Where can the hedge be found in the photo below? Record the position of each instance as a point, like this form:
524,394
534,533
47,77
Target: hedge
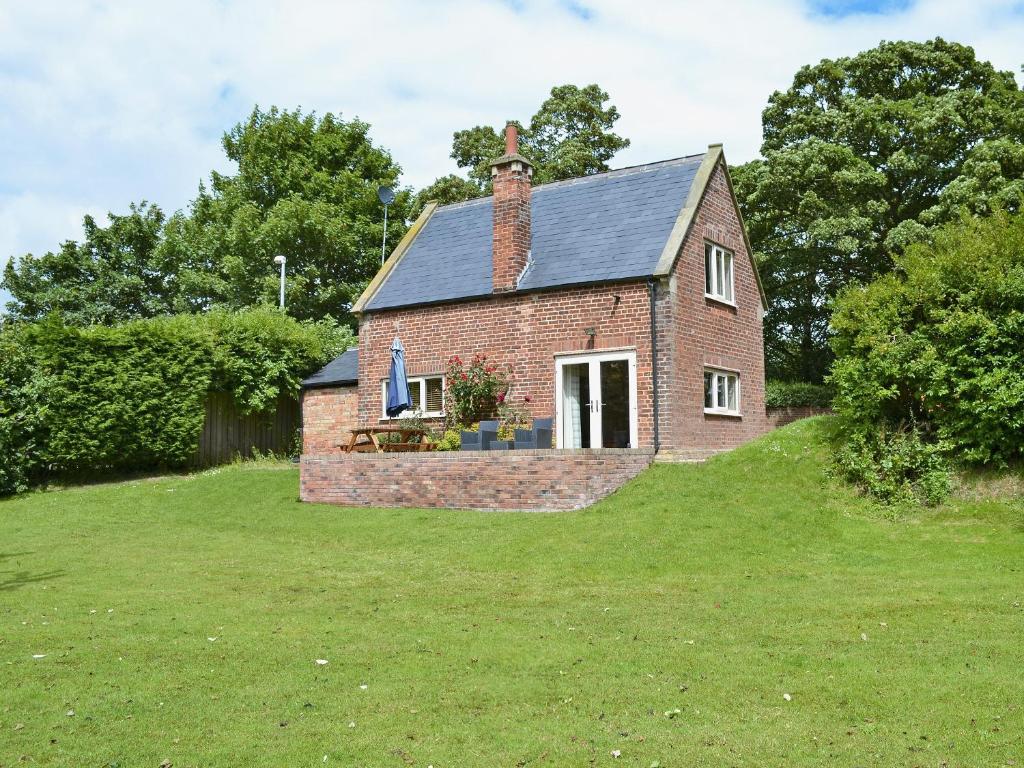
797,394
935,351
131,397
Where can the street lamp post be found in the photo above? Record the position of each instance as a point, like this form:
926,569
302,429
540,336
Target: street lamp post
280,260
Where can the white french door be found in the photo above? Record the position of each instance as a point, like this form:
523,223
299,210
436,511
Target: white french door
595,400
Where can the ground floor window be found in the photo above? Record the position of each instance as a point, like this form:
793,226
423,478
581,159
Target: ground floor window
427,394
721,392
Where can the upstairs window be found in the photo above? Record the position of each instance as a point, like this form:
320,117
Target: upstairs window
721,392
718,273
427,394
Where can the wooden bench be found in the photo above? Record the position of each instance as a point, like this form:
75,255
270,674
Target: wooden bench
367,439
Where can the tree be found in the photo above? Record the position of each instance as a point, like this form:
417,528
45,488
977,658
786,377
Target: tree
445,190
861,157
116,273
569,136
306,187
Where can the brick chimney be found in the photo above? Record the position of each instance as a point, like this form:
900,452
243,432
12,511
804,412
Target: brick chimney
510,176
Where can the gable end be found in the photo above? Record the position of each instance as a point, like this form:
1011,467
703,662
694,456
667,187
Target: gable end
684,223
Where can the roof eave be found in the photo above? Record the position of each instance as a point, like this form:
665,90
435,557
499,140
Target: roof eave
329,384
639,278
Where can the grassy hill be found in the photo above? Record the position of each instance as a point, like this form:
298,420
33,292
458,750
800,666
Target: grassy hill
746,612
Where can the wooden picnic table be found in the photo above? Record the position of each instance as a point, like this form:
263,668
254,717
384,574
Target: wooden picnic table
367,439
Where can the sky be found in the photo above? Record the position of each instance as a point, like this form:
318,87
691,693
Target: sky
106,103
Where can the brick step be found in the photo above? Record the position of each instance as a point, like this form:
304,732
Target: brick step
686,455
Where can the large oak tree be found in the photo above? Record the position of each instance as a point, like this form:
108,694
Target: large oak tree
862,156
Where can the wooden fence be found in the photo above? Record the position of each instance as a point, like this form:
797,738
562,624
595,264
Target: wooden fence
228,433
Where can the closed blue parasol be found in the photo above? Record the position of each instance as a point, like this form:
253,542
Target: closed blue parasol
399,398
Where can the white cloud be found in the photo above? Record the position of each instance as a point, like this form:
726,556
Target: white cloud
102,104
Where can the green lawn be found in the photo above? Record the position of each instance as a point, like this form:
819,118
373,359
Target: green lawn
740,613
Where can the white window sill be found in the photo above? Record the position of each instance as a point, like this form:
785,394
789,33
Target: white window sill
403,416
720,300
721,412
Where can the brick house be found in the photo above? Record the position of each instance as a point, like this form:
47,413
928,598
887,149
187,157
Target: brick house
626,303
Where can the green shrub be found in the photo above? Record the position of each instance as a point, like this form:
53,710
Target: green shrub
896,466
797,394
939,344
123,398
22,415
261,353
93,399
451,440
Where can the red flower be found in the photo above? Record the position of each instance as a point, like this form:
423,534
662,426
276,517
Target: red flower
527,399
463,377
501,397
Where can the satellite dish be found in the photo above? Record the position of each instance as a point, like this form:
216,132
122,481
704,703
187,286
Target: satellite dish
386,195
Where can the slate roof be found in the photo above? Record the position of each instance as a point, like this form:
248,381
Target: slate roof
341,371
607,227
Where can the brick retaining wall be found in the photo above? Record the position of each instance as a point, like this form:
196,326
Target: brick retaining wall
780,417
521,480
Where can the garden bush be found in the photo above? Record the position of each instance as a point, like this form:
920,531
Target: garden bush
797,394
473,391
449,440
131,397
896,465
937,345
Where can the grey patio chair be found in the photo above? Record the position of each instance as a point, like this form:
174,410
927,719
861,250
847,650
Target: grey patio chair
538,436
481,439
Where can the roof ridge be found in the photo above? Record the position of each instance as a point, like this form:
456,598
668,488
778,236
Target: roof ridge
640,168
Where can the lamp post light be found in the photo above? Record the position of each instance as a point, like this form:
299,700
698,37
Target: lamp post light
280,260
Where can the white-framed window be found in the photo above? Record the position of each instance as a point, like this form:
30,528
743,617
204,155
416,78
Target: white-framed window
721,392
427,393
718,279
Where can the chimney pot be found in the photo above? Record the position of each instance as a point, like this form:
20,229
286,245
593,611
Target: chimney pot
511,138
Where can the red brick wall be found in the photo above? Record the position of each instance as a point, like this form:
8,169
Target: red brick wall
780,417
525,331
521,480
695,332
327,415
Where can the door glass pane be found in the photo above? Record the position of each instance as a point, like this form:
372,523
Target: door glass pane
615,404
576,405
